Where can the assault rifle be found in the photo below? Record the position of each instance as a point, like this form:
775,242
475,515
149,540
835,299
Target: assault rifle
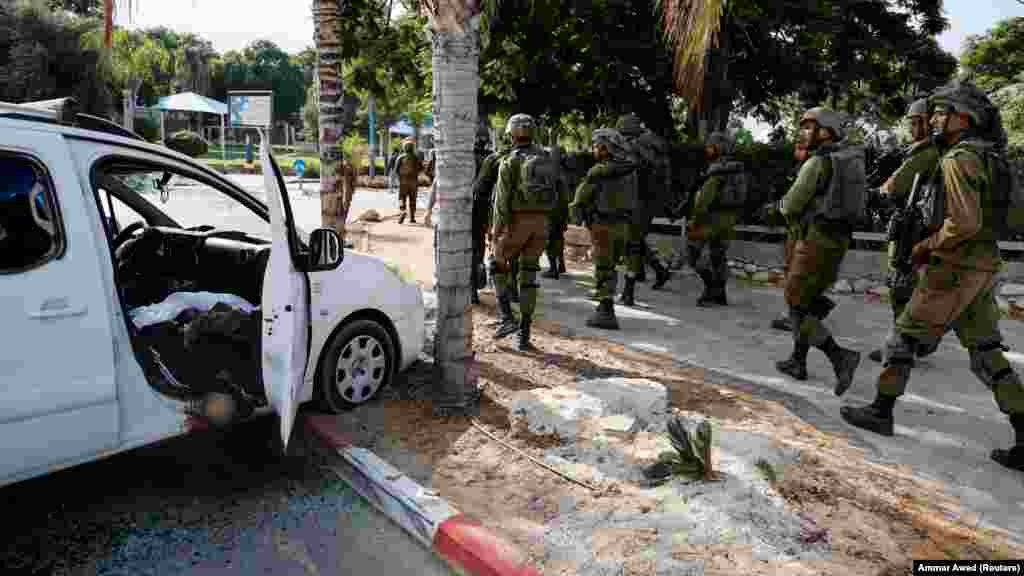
906,228
883,166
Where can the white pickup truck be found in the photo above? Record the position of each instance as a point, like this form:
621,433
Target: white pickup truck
93,263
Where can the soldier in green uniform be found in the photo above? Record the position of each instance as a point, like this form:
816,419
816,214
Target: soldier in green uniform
821,244
962,259
641,144
604,202
558,222
823,305
483,201
713,217
922,158
526,193
407,167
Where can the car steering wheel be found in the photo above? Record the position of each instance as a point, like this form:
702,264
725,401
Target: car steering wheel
127,233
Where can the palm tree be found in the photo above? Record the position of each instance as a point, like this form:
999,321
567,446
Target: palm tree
327,77
455,31
692,28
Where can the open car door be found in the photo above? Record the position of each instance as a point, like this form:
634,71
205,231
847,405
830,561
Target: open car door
285,303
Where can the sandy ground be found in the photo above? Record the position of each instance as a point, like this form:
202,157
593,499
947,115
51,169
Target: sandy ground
813,506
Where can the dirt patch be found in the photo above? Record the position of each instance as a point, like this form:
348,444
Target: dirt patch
830,510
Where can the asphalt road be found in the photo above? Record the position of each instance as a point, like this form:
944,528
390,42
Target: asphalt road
205,504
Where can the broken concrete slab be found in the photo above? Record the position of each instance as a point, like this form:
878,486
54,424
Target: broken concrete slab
643,399
558,410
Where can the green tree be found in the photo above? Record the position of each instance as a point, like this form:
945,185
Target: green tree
42,57
996,57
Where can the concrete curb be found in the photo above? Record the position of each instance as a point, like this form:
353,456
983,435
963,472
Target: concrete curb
464,543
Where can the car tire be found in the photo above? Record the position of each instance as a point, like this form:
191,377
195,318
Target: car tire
358,361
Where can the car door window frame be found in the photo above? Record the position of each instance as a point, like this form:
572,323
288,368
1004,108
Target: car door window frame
59,235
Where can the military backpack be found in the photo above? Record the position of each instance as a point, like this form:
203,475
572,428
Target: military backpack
1007,192
732,195
845,197
536,178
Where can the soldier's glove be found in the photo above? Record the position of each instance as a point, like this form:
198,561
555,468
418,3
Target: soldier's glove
919,254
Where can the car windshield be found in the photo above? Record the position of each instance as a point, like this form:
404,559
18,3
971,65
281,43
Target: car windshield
193,203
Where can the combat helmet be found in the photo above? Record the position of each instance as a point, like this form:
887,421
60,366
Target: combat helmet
629,125
724,141
918,107
613,140
964,97
521,125
826,118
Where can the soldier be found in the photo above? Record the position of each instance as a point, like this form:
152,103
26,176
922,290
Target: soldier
922,158
824,305
407,167
558,222
813,209
640,142
713,217
962,258
604,201
526,193
483,207
481,151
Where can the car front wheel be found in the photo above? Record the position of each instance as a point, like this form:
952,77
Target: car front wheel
357,363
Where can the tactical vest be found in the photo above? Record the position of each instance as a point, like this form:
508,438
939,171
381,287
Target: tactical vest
407,165
616,189
535,179
651,154
732,194
845,197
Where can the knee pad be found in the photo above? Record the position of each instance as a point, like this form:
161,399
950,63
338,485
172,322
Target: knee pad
989,363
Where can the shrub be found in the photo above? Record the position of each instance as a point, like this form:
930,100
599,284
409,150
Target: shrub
187,143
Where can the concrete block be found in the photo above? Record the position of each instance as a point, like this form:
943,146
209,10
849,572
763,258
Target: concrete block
556,410
643,399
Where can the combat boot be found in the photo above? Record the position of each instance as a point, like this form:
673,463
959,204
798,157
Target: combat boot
785,324
719,295
524,334
876,417
661,274
1014,457
706,299
627,292
506,320
796,365
401,217
604,316
844,362
822,307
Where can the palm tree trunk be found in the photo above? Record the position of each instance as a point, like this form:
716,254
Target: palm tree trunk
332,209
456,80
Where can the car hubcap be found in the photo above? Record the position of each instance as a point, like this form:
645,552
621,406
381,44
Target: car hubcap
362,365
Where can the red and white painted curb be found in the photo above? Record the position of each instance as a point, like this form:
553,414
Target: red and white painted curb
462,542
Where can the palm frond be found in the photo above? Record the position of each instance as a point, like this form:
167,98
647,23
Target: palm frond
692,28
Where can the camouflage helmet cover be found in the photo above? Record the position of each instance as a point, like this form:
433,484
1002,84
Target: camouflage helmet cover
725,142
524,121
918,107
629,125
826,118
613,140
963,97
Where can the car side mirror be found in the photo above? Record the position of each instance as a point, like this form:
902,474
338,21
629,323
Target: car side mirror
326,251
